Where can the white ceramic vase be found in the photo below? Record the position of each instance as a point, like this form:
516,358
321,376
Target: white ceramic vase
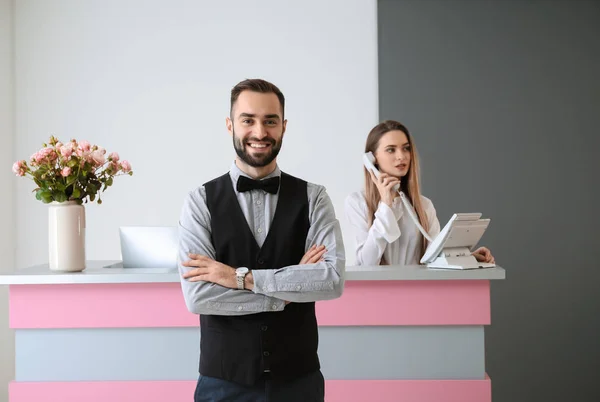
66,236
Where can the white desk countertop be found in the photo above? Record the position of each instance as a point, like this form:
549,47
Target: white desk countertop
98,272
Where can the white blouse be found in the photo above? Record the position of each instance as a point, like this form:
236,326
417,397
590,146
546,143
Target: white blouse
393,233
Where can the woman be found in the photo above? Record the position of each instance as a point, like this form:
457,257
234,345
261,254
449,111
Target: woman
384,232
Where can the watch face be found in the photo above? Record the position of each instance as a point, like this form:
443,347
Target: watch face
241,271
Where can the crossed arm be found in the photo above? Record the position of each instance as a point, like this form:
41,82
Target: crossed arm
209,287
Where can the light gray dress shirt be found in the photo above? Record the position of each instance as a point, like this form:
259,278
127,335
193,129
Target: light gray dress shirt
272,287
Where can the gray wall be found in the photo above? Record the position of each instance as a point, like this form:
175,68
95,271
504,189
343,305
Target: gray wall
503,99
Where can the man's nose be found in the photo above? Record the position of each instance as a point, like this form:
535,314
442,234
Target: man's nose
260,132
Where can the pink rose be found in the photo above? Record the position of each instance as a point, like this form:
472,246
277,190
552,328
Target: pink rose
97,158
45,155
66,171
39,157
66,150
19,168
84,145
113,156
125,166
58,145
86,157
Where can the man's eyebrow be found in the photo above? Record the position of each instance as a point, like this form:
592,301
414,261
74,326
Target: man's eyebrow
268,116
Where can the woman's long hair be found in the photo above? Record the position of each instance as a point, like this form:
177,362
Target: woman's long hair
410,183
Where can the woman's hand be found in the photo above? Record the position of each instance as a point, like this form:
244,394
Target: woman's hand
483,254
385,184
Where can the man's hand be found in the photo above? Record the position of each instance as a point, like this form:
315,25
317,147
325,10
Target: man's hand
208,270
483,254
313,255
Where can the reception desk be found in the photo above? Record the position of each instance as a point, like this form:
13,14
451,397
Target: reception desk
408,334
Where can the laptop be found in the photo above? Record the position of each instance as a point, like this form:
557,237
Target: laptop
148,246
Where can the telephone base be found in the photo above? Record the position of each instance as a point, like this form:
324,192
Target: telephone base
457,258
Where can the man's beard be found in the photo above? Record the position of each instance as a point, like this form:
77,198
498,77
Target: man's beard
260,160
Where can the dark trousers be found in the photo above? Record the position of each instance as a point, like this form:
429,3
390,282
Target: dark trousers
310,388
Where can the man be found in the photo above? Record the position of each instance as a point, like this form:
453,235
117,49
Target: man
257,248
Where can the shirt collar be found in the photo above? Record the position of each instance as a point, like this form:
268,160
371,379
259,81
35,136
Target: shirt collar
235,172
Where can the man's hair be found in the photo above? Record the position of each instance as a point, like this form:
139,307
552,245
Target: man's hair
256,85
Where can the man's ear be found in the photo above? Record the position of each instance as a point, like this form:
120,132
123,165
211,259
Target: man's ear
229,125
284,127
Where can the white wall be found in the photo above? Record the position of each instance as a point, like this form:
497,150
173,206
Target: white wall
7,184
151,80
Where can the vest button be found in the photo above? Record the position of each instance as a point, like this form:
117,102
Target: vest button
261,261
265,353
264,328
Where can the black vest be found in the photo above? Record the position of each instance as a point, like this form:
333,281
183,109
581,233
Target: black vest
241,348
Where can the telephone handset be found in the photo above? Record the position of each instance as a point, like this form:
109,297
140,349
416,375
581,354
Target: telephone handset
369,162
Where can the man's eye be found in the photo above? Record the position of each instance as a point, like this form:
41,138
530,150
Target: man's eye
246,121
271,122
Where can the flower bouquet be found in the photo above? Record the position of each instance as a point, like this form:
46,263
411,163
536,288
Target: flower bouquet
75,171
68,175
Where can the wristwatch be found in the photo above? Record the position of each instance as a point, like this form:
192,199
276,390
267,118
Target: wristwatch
240,274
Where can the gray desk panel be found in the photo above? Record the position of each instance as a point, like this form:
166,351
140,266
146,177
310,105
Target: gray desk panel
429,352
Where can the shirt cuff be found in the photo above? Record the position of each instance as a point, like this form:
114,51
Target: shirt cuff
397,208
386,224
265,283
270,304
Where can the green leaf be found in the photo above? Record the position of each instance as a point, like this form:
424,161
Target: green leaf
91,188
92,197
76,192
45,194
109,182
38,195
59,196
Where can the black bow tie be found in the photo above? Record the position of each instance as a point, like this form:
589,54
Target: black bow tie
270,185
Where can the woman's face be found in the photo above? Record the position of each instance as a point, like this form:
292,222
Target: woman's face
393,154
